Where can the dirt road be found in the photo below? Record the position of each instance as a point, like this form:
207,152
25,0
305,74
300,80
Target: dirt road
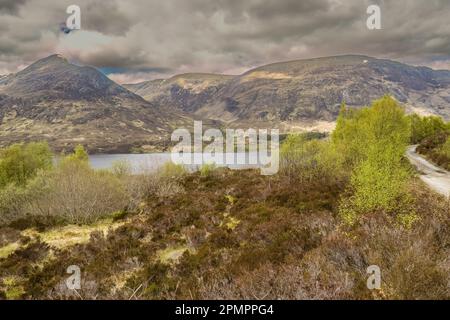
436,178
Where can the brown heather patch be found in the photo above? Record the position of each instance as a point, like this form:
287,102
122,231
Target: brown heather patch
288,243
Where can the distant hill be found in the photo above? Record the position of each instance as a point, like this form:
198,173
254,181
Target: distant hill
302,91
67,104
186,92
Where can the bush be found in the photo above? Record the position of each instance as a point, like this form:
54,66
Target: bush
172,171
306,161
378,137
445,149
20,162
72,192
207,170
163,183
423,127
12,199
121,169
437,149
78,194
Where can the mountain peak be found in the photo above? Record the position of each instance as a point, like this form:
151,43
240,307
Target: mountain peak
65,103
56,78
56,55
52,59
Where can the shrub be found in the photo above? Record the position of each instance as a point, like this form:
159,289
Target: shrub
167,189
76,193
72,192
378,136
79,153
423,127
12,199
172,171
437,149
121,169
20,162
304,160
207,170
445,149
164,183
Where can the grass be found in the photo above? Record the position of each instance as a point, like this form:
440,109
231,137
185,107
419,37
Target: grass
13,290
67,236
171,254
231,223
8,249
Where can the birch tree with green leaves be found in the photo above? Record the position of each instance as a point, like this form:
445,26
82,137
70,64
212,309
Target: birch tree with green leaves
373,140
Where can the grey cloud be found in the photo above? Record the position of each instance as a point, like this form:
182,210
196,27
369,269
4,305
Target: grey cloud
113,59
10,6
105,17
225,35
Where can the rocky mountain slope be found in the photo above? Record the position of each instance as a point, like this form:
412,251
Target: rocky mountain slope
187,92
67,104
303,92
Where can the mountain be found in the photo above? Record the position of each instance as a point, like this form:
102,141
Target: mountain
186,92
301,93
67,104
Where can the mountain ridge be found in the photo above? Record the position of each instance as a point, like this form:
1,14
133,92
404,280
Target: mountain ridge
307,90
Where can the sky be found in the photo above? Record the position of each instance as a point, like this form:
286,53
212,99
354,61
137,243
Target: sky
137,40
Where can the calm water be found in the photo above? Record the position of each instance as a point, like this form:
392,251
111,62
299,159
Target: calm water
149,162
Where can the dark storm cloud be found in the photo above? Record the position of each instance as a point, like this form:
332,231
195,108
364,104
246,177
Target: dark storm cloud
224,35
114,59
105,17
10,6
